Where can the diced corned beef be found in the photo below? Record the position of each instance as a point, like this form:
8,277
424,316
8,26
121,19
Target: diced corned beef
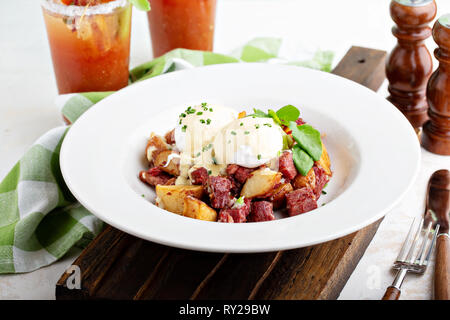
300,201
155,176
232,168
238,176
286,166
225,216
236,214
321,180
199,176
242,174
236,186
170,136
239,173
261,211
219,191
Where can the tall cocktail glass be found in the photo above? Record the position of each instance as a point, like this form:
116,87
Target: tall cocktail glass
89,43
185,24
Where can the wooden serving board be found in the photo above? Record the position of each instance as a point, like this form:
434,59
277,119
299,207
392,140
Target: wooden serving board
119,266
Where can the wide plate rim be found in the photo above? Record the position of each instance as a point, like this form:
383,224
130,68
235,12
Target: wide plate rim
214,247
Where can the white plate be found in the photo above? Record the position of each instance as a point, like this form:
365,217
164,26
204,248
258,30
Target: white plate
374,152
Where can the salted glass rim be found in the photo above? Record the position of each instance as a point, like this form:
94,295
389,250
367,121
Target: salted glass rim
445,20
72,10
414,3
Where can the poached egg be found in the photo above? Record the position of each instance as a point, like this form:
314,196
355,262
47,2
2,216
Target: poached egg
248,142
194,135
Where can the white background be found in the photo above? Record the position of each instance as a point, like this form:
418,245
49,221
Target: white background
28,89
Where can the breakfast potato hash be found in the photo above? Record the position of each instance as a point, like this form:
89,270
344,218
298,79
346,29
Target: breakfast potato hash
219,165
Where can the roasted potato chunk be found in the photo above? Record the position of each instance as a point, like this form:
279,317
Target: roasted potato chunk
171,198
260,183
278,197
301,181
324,161
155,145
197,209
168,163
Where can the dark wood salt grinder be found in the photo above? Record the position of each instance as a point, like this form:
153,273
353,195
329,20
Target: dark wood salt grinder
410,63
436,131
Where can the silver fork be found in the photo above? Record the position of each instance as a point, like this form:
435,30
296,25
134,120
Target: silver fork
412,256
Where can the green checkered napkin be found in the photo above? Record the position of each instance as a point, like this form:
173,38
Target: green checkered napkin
40,220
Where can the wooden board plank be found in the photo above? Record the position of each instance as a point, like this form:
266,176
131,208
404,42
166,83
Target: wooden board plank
318,272
119,266
364,66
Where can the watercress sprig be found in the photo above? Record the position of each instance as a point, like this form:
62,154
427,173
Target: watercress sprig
308,138
287,114
283,116
302,161
309,144
308,148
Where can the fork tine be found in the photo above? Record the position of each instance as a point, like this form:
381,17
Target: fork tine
410,257
433,243
426,239
403,251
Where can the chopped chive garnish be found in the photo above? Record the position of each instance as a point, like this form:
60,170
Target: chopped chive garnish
206,148
190,110
202,121
210,109
259,157
233,133
268,124
241,124
240,200
324,192
180,121
214,160
204,104
183,115
184,128
209,172
199,113
257,126
198,154
208,121
247,132
143,195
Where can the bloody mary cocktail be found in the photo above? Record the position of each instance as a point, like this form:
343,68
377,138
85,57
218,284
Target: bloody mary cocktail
185,24
89,42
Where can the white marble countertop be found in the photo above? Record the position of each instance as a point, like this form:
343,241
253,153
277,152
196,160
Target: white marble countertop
28,89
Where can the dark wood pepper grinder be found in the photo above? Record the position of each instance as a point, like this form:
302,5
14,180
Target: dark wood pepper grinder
436,131
410,63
